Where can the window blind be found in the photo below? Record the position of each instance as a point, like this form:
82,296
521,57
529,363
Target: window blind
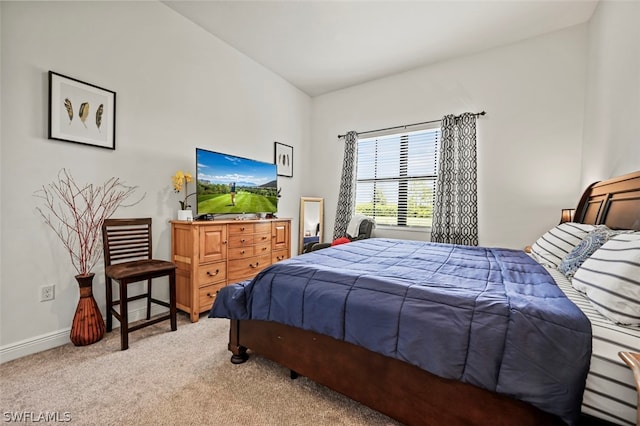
396,177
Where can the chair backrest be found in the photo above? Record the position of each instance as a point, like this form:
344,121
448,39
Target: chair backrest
126,240
364,231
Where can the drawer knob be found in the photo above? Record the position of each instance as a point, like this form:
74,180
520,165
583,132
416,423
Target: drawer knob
241,251
242,229
214,274
264,237
212,295
242,240
254,266
264,248
280,257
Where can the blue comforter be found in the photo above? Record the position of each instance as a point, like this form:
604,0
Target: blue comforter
486,316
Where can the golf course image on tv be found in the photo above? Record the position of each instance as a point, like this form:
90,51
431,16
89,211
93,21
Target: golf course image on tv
230,184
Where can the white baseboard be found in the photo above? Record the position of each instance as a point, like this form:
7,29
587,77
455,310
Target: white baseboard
61,337
34,345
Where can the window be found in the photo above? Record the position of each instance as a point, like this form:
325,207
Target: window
396,177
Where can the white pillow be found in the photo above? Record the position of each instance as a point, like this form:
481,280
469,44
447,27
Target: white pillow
611,279
553,246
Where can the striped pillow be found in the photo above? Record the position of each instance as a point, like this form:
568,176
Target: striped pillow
611,279
553,246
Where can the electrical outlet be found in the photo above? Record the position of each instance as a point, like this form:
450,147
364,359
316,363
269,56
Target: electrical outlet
47,292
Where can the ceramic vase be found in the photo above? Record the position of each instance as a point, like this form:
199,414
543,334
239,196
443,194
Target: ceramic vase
185,215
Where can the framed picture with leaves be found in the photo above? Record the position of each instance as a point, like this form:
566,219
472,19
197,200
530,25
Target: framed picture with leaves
284,159
80,112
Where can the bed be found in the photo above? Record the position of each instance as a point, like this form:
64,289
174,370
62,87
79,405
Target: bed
389,373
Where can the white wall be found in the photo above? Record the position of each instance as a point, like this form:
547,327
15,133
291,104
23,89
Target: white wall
529,143
612,111
177,88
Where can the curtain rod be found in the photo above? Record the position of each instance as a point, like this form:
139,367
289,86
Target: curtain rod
477,114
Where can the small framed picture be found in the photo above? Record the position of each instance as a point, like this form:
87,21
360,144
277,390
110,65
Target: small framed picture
81,112
284,159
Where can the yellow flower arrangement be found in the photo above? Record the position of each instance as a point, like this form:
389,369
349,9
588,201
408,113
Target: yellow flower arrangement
179,180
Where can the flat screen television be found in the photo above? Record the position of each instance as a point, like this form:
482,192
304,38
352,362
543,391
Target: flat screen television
228,184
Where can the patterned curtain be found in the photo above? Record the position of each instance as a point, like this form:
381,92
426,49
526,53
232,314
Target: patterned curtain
346,197
455,215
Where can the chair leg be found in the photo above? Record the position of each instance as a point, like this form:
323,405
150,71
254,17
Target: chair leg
108,284
172,301
124,316
149,299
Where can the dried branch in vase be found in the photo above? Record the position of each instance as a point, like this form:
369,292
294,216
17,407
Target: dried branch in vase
76,214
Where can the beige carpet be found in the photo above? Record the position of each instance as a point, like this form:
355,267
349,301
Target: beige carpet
167,378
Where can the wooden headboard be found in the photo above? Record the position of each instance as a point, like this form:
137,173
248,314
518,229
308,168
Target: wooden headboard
613,202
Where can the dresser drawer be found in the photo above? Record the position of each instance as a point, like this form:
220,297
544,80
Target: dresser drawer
208,295
246,268
278,255
212,273
262,248
261,238
263,228
241,228
240,240
240,252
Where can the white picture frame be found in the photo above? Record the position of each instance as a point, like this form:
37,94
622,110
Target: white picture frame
81,113
283,158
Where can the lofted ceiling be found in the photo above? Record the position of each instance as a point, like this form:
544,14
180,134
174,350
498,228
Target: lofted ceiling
322,46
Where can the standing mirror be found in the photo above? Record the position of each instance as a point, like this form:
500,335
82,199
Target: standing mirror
311,221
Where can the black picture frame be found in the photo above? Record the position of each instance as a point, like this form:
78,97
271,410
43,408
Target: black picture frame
283,158
81,112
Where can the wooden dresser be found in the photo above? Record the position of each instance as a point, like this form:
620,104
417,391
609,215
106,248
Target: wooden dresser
212,254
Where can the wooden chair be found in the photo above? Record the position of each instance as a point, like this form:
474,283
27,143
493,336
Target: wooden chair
632,359
128,259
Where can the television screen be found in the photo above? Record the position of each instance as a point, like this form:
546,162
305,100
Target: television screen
229,184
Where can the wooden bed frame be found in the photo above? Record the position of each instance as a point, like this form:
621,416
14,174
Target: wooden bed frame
400,390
